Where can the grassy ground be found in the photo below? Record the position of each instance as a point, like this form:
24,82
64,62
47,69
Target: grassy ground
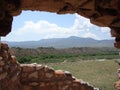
101,74
99,69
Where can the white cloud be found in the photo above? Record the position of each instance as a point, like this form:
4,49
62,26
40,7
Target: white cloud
90,35
44,29
81,23
105,29
40,30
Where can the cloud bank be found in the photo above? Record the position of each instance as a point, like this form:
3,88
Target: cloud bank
44,29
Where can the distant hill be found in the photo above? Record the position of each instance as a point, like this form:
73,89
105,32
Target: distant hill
63,43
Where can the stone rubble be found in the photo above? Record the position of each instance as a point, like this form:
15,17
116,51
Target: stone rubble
15,76
117,83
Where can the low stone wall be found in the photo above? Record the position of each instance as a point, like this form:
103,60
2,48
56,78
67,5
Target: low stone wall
117,84
38,77
15,76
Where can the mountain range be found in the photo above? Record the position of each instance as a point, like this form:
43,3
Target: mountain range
63,43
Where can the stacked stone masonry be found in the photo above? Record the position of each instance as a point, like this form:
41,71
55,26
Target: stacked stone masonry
117,84
104,13
15,76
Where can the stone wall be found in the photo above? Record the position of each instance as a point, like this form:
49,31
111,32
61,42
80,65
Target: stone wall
39,77
117,84
15,76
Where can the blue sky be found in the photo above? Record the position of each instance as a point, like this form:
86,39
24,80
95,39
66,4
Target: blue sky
33,25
